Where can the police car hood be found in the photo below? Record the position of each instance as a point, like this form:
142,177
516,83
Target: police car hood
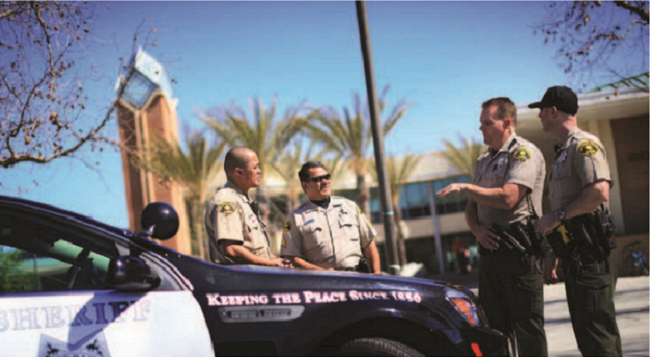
215,277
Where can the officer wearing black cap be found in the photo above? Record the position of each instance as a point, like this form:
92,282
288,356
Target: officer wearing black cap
580,229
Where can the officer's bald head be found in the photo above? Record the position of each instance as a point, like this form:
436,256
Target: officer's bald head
237,158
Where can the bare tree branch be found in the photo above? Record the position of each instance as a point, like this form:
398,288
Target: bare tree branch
42,98
637,9
608,40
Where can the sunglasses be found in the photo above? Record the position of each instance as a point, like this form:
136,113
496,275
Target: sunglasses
320,178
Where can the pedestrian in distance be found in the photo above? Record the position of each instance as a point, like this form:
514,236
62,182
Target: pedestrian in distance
462,256
328,232
235,231
504,198
580,229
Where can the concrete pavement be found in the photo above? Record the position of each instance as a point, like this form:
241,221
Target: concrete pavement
632,310
632,306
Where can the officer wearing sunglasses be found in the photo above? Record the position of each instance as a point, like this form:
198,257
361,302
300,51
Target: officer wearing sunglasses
328,233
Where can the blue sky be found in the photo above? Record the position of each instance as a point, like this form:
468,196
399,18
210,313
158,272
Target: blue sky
445,58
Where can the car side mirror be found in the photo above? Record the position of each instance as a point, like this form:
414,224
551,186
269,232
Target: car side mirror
160,220
131,274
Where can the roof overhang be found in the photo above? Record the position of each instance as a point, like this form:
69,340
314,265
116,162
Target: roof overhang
617,104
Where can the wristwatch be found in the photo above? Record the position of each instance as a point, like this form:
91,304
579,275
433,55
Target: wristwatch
559,215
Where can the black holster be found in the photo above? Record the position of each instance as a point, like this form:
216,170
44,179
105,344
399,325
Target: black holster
507,242
595,230
561,249
363,266
605,228
527,235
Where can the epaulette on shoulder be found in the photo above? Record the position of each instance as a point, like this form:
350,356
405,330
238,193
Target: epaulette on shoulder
344,200
301,206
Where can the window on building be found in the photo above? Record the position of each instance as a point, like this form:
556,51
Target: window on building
451,204
414,200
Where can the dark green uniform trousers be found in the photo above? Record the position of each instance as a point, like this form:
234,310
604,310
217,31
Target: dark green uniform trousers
590,285
511,292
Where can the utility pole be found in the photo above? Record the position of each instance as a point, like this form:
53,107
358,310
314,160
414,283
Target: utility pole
378,142
436,226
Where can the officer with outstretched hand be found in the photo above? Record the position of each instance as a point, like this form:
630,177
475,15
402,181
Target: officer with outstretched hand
235,231
504,196
580,229
328,232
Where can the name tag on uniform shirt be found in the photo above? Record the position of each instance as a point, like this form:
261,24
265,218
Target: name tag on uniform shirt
310,221
560,159
499,163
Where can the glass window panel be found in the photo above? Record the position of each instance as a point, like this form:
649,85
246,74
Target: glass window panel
40,258
419,196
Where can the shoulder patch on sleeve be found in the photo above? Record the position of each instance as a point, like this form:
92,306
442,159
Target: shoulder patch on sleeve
521,153
227,208
588,148
287,227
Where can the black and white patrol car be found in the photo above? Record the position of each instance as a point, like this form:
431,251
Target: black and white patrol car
71,286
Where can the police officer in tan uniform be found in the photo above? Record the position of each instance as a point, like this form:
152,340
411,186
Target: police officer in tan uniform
235,232
580,229
328,232
504,198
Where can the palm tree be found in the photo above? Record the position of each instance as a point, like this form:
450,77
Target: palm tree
336,167
261,134
287,167
463,157
399,170
351,136
195,169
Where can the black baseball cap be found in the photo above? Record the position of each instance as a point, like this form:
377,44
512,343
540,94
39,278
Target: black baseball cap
561,97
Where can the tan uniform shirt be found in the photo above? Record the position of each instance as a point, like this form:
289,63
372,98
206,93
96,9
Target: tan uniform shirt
328,238
228,215
517,162
580,161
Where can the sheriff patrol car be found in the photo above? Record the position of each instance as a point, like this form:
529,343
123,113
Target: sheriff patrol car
71,286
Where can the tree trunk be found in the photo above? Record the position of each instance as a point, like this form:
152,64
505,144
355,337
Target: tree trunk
196,227
263,201
363,194
401,246
292,200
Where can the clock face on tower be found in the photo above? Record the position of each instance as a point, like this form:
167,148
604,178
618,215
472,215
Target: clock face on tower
138,90
149,76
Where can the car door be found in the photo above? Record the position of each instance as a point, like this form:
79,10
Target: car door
54,299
